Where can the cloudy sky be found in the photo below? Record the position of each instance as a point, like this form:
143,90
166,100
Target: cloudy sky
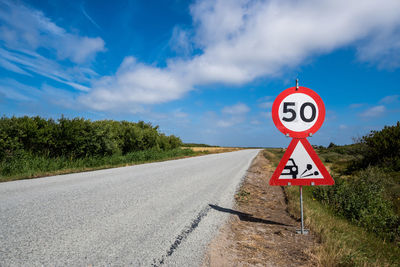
208,70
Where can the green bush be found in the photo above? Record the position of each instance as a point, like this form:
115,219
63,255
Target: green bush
383,147
332,145
78,138
362,201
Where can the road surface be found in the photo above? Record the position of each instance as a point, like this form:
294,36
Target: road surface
145,215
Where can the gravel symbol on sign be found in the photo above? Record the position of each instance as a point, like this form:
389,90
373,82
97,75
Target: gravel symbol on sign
293,170
300,165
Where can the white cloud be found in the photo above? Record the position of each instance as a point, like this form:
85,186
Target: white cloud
33,62
26,28
79,49
266,115
225,123
255,38
14,90
390,99
27,35
180,42
12,67
178,113
134,84
89,17
238,109
229,122
373,112
266,105
232,115
243,40
255,122
382,49
58,97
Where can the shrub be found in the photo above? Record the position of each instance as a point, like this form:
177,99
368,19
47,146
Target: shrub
383,147
79,138
331,145
362,201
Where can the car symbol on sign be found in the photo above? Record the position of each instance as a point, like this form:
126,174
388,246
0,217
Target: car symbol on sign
292,168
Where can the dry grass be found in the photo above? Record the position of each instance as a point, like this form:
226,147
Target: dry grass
260,232
214,149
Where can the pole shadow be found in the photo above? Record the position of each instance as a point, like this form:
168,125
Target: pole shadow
246,217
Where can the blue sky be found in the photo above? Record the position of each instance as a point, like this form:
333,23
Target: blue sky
207,71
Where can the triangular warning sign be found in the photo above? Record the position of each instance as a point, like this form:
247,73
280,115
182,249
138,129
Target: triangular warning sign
300,165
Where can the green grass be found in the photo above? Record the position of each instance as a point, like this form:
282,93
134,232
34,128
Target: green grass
24,166
343,243
274,155
242,196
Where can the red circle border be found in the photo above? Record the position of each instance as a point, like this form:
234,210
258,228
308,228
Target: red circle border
293,90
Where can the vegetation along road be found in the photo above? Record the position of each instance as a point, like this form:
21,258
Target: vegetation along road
150,214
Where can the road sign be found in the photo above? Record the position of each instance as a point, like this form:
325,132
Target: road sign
300,165
298,112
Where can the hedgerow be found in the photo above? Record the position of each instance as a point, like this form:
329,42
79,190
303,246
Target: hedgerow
78,137
362,200
366,189
31,146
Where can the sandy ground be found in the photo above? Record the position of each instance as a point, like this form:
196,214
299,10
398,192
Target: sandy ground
260,232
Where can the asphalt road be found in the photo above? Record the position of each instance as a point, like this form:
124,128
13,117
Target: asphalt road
145,215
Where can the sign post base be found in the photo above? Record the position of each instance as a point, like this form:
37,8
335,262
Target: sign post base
305,231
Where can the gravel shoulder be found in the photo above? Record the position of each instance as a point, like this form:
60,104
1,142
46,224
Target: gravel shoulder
260,231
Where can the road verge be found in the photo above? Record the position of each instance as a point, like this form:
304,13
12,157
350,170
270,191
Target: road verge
260,231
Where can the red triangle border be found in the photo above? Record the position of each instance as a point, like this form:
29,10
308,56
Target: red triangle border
327,180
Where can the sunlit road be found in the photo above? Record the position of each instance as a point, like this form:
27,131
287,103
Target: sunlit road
150,214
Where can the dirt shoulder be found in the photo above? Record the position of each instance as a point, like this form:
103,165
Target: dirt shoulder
260,231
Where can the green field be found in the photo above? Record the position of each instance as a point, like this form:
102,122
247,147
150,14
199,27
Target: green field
357,219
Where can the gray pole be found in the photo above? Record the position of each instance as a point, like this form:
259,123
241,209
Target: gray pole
301,209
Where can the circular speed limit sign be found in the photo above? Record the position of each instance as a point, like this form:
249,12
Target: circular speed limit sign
298,112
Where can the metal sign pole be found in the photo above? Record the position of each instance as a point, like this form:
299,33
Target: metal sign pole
301,210
302,230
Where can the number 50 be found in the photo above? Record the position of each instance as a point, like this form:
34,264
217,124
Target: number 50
288,107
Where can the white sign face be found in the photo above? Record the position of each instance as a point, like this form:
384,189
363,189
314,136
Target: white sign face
300,165
298,112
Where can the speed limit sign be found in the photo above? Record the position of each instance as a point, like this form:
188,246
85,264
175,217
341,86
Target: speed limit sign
298,112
